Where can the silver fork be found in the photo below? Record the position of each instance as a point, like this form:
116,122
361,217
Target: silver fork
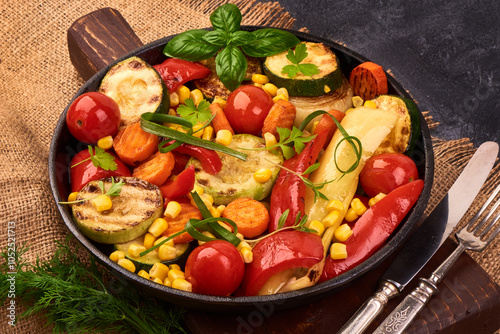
471,237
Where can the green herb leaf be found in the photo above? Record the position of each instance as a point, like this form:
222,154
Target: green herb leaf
311,168
290,70
239,38
295,58
191,46
231,66
216,37
282,219
115,188
269,41
195,114
308,69
102,159
287,138
227,17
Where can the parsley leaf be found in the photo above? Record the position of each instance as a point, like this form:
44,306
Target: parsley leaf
195,114
115,188
102,159
288,137
296,58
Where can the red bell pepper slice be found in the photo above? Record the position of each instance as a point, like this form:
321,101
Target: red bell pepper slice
279,252
176,72
181,186
289,190
374,227
209,159
85,172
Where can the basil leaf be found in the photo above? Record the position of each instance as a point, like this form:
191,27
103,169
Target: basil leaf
231,66
191,46
270,41
216,37
227,17
239,38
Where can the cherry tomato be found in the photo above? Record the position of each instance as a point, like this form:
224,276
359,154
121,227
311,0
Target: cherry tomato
247,108
385,172
215,268
93,116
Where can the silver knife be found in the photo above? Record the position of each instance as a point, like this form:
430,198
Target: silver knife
431,234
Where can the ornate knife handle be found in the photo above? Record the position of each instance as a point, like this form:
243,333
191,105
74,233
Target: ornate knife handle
365,315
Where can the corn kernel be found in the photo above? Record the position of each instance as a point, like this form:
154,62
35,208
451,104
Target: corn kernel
256,84
207,199
213,211
105,143
173,209
208,133
102,203
167,282
172,112
174,99
224,137
317,226
343,232
351,215
174,274
127,264
327,89
331,219
375,199
243,244
159,226
280,97
72,196
159,270
240,236
260,78
370,104
184,93
168,243
135,250
226,226
315,125
262,175
196,130
338,251
221,209
358,206
197,96
208,234
220,101
117,255
174,266
283,91
335,205
270,139
182,284
157,280
270,89
357,101
144,273
247,254
198,189
166,252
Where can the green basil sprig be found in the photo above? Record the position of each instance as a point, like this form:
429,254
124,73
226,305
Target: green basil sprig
229,43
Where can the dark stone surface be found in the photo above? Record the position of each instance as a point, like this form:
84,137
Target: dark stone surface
445,53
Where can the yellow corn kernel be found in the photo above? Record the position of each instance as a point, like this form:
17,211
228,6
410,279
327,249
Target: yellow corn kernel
208,234
198,189
270,139
208,133
157,280
117,255
280,97
343,232
207,199
182,284
72,196
167,282
256,84
174,99
260,78
197,96
144,273
283,91
224,137
315,124
173,274
159,226
262,175
317,226
159,270
338,251
196,130
168,243
213,211
221,209
357,101
247,254
136,250
240,236
335,205
226,226
220,101
127,264
243,244
149,240
327,89
174,266
370,104
166,252
358,206
102,203
375,199
105,142
270,89
172,112
331,219
351,215
173,209
184,93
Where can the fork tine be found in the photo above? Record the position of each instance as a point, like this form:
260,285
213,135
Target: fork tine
490,226
483,208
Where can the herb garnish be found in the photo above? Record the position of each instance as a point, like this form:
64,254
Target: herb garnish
295,58
287,137
195,114
100,158
229,43
114,190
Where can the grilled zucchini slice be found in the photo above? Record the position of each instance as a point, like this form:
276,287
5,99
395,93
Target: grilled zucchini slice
134,210
137,88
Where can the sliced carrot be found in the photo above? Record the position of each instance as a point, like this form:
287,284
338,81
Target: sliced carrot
368,80
251,216
327,123
220,121
188,211
156,169
282,114
133,145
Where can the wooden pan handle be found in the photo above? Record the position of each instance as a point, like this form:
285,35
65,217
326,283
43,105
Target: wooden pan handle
99,38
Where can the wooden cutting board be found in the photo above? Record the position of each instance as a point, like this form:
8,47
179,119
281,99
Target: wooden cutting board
468,301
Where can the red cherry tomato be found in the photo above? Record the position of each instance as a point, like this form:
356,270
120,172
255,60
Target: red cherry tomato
215,268
385,172
247,108
93,116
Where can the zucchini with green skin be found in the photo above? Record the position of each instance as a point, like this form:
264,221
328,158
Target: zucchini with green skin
327,80
133,211
137,88
235,180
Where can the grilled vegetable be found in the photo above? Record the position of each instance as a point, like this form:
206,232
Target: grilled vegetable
368,80
250,216
134,210
133,145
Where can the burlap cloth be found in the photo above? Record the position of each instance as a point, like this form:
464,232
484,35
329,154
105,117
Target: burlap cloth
37,80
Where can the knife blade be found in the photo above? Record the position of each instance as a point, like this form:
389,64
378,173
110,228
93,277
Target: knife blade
430,235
